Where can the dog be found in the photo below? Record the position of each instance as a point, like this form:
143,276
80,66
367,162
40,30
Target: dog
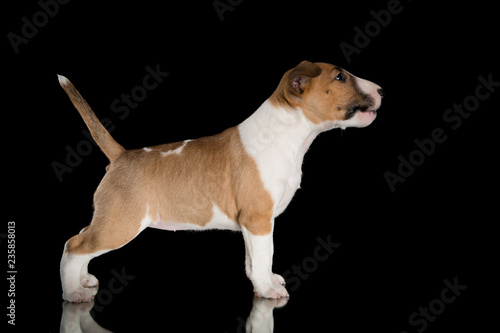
240,179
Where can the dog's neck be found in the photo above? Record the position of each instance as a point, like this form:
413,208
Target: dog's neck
275,130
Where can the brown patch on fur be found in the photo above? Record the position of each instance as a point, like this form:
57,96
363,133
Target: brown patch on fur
177,188
293,83
313,88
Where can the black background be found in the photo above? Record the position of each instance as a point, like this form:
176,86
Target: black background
397,247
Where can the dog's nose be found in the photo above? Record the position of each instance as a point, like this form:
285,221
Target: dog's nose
381,92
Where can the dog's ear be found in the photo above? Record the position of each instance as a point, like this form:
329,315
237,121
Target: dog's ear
300,77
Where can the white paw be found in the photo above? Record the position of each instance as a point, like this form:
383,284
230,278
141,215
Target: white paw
265,304
80,295
275,291
277,279
89,281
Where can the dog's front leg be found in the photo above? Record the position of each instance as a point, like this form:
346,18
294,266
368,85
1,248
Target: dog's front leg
259,257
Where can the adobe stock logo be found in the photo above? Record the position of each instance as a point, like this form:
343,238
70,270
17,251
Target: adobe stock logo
223,6
373,28
453,118
115,286
309,265
425,315
40,19
121,106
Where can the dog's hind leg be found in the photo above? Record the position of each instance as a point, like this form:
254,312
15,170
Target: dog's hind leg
73,268
103,235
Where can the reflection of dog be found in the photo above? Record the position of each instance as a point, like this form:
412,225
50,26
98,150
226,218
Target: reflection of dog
240,179
76,317
261,319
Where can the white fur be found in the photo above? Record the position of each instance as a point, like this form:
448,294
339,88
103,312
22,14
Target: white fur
63,81
76,281
278,139
219,221
371,89
259,260
176,151
360,119
363,119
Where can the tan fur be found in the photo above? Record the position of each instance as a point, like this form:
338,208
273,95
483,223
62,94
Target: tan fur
177,188
320,96
182,188
102,137
213,182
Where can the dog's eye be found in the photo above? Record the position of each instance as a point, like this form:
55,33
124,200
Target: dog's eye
341,77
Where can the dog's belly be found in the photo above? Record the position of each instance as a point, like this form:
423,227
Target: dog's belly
218,221
174,226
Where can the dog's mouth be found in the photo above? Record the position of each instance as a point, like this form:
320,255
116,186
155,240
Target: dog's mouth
366,105
367,109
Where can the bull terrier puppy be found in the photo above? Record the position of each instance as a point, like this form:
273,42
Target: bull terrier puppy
240,179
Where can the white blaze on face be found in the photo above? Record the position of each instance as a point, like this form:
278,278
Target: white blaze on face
363,119
371,89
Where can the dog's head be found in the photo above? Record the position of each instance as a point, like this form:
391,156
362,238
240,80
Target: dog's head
329,94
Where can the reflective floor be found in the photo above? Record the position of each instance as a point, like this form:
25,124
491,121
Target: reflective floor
367,310
368,305
394,228
348,291
77,317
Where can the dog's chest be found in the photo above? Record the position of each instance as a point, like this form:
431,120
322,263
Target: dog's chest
281,176
278,139
279,167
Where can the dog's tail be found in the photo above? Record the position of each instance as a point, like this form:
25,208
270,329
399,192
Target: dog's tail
108,145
